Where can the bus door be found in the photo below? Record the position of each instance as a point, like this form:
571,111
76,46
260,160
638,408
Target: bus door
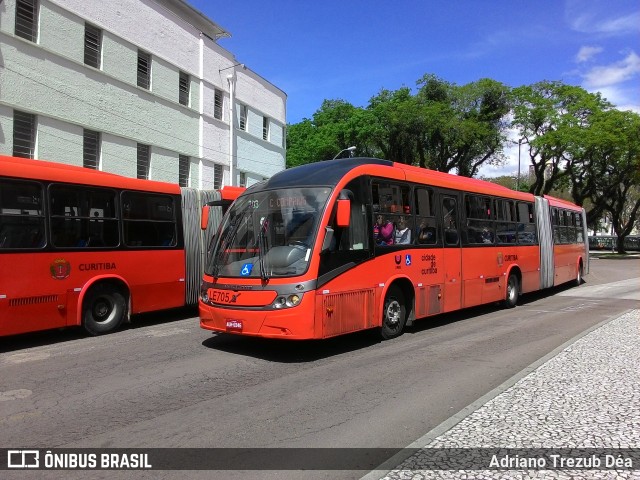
346,284
452,252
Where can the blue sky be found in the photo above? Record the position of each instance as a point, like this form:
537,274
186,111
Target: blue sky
350,49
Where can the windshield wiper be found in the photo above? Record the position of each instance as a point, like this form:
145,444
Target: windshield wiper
262,247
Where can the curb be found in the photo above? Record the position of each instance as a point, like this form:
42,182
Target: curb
392,463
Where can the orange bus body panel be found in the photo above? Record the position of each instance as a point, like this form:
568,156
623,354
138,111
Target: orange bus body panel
435,279
27,169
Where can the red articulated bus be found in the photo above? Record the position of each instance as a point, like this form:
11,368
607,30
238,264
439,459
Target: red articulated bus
341,246
83,247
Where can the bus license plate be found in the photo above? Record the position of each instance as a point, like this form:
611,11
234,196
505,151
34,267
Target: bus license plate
234,325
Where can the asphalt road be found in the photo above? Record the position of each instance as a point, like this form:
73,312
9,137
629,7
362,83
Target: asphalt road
164,382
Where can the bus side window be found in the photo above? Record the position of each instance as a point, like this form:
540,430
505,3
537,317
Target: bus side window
21,214
526,231
149,220
352,244
450,221
356,236
426,231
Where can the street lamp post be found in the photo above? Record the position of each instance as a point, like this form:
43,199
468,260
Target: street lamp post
519,142
348,149
231,80
518,178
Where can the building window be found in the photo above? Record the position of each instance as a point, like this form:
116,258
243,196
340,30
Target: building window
183,170
24,134
144,70
91,149
243,179
143,161
217,105
184,89
92,45
265,128
243,117
27,19
217,176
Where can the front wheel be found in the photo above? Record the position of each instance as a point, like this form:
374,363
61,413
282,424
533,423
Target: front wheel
513,291
103,310
394,314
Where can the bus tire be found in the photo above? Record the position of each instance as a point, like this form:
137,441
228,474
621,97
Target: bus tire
513,291
394,314
579,275
104,308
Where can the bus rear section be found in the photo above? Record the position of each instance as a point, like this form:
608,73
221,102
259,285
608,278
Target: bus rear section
80,247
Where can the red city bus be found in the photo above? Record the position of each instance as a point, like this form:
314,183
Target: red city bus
340,246
83,247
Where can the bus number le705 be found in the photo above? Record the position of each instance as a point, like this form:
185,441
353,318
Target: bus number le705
220,296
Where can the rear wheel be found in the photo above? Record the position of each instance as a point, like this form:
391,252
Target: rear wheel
513,291
104,308
394,314
579,275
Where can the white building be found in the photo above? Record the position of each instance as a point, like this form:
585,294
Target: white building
135,87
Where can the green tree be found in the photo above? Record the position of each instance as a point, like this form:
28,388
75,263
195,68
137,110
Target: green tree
335,126
601,158
463,127
321,137
551,118
616,170
395,127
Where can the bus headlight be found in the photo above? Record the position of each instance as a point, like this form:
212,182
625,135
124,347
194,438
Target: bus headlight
287,301
294,300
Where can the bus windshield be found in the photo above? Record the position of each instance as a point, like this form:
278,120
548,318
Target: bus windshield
268,233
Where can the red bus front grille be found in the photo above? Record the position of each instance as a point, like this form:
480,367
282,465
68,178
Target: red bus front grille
20,302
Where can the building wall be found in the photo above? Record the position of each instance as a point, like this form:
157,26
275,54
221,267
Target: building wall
49,78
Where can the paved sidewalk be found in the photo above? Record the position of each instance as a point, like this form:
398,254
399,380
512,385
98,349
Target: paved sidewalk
585,395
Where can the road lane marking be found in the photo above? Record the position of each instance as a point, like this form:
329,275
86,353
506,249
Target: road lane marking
27,357
15,394
165,333
621,290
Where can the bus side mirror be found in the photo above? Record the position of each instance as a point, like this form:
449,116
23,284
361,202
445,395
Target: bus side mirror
204,218
343,215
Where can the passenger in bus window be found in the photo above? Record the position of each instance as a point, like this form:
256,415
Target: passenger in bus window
383,231
403,233
487,235
425,234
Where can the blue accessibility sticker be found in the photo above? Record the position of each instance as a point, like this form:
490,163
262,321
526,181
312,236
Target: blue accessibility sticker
407,260
246,269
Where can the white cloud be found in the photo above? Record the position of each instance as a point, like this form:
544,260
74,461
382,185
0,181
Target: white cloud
623,98
597,16
586,53
618,72
626,24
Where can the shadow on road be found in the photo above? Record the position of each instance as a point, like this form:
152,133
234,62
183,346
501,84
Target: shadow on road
302,351
69,334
